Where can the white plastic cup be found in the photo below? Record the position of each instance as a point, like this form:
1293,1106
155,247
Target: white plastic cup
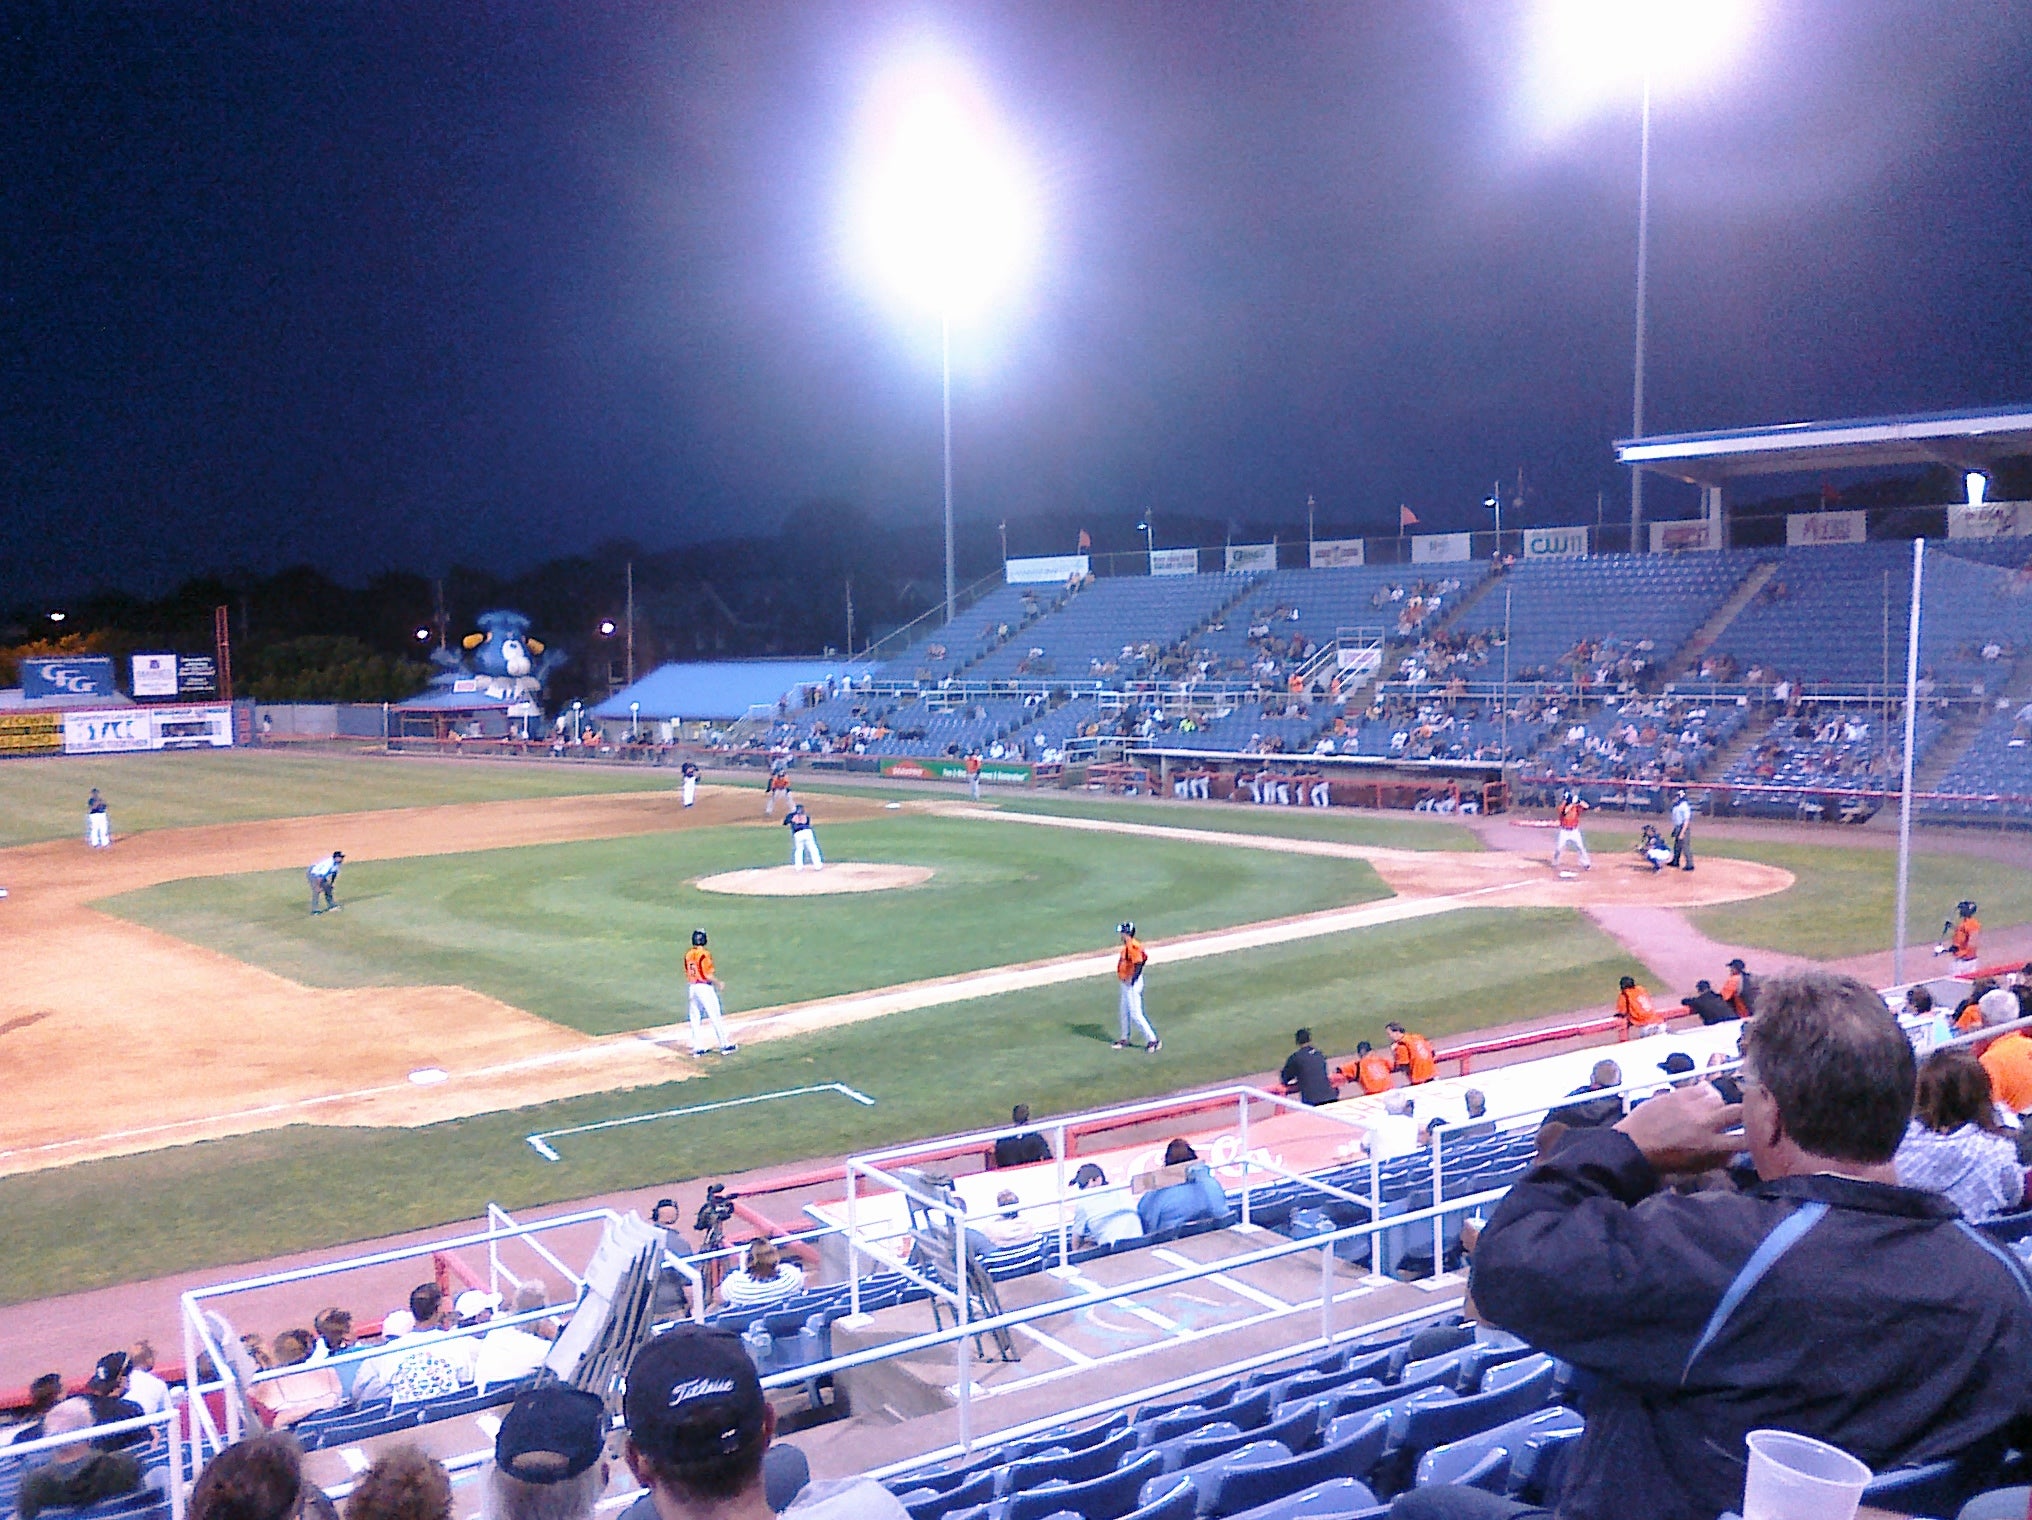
1794,1477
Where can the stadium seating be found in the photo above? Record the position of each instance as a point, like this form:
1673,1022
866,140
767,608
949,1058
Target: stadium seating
1084,639
941,651
1992,780
1399,600
1808,762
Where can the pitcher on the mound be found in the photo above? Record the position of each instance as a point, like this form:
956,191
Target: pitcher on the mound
802,841
1129,972
702,993
1570,810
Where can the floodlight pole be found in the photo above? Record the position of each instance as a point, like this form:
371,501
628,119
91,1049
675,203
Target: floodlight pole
1643,259
1905,789
945,373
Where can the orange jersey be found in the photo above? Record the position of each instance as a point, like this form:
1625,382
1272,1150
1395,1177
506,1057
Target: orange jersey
1412,1053
1634,1004
698,965
1132,960
973,765
1963,941
1569,814
1969,1018
1372,1071
1732,994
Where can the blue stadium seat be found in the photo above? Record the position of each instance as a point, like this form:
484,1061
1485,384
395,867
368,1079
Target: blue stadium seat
1066,1466
929,1505
1108,1497
1249,1484
1173,1505
1448,1463
1336,1499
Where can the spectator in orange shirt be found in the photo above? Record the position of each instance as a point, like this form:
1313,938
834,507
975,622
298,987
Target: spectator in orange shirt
2008,1059
1739,989
1370,1069
1411,1054
1968,1013
1634,1008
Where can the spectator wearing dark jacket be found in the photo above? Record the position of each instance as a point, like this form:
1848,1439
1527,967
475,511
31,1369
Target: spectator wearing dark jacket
1023,1149
1305,1073
1709,1004
1596,1113
1826,1300
78,1474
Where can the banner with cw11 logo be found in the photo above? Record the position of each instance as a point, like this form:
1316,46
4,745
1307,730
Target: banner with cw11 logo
84,675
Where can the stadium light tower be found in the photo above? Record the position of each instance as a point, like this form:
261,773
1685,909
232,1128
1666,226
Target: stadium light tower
944,214
1590,54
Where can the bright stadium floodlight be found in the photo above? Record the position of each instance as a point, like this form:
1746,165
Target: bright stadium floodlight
944,218
1978,485
1587,56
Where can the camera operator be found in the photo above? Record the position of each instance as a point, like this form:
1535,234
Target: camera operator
673,1293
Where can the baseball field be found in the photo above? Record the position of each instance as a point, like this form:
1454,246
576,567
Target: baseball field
201,1072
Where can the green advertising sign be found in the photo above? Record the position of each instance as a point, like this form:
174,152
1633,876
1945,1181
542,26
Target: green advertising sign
911,768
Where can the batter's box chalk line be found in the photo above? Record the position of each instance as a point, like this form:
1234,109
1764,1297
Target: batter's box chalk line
540,1142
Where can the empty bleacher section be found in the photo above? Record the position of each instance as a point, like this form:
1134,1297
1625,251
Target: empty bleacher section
983,627
1112,631
1836,616
1992,780
1609,620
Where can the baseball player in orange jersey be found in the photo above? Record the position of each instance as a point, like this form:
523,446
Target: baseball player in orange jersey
703,991
1570,810
1129,972
1962,936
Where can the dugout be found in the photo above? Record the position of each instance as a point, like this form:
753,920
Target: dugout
1371,781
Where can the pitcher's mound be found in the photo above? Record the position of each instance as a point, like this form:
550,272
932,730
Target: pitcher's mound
787,881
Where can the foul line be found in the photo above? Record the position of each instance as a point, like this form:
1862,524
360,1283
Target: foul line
540,1141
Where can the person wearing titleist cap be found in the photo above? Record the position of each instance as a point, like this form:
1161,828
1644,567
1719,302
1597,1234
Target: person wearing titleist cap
700,1434
550,1457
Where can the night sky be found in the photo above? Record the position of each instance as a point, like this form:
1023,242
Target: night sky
378,287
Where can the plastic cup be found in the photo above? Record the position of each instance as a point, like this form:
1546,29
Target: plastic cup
1794,1477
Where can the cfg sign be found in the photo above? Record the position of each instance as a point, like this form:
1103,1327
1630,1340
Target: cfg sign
85,675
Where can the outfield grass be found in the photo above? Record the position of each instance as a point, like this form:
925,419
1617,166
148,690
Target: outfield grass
45,798
932,1072
1845,899
593,934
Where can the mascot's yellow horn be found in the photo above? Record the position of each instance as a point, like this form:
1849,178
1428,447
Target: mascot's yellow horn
532,646
473,640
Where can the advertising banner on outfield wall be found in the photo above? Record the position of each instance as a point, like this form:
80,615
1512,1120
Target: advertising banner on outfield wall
154,675
1252,557
1993,519
197,675
106,733
1702,533
31,733
1337,554
1174,562
1555,543
1049,567
1803,528
206,727
911,768
84,675
1440,548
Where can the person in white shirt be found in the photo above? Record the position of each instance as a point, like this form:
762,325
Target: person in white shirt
767,1279
1103,1219
1010,1228
143,1386
514,1351
1395,1133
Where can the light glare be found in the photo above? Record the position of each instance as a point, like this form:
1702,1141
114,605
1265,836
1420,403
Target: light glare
1590,55
944,216
1978,485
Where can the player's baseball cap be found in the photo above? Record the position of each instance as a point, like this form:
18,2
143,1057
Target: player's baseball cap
1737,965
551,1434
693,1395
475,1302
1678,1064
1125,927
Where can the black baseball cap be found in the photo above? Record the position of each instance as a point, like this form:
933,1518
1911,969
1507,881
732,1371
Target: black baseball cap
1678,1064
551,1434
693,1395
111,1367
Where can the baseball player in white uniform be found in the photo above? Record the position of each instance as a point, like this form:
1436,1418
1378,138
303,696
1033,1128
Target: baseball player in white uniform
1568,837
324,878
802,841
98,822
690,774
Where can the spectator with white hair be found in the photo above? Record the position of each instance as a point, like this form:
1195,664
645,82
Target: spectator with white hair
2008,1060
514,1351
1395,1132
78,1474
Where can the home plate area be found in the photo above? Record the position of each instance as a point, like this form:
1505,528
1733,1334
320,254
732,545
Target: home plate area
815,881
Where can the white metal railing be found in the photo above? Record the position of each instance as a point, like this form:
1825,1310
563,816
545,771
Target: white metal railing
161,1427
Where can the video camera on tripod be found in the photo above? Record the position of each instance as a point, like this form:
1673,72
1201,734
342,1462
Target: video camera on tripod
712,1217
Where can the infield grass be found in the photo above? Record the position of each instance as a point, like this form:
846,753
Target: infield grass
592,934
932,1072
1844,900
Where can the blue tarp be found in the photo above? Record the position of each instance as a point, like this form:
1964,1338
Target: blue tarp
722,690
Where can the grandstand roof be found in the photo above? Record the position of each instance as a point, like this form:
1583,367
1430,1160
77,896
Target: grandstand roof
1967,440
723,688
